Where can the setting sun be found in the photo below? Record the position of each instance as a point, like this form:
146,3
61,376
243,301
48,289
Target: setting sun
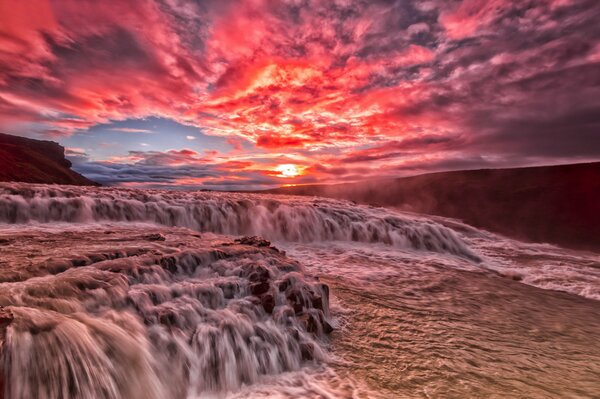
287,170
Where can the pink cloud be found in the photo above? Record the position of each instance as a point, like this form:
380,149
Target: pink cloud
327,83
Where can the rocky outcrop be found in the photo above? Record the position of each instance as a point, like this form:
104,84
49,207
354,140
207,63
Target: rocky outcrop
36,161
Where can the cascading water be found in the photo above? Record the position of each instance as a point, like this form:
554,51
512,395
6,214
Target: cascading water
292,219
117,293
155,316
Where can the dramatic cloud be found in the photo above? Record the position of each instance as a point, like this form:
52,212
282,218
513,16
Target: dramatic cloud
183,169
341,90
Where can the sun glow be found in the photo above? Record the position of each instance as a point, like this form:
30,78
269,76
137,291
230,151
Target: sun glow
287,170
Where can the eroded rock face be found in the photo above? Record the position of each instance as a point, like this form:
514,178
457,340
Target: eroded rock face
253,240
36,161
113,313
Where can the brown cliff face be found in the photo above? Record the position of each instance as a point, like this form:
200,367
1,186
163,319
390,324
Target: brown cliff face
556,204
36,161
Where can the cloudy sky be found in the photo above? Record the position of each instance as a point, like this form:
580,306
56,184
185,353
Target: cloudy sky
252,94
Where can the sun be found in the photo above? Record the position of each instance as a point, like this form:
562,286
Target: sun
287,170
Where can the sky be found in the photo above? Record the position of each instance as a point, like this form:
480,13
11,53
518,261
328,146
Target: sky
251,94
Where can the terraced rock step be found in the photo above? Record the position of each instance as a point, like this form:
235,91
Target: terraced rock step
167,313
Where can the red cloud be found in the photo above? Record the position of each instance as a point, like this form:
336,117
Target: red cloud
271,141
329,83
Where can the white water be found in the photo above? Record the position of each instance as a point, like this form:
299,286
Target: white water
289,219
105,304
107,312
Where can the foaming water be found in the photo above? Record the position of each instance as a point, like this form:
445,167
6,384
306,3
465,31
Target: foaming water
293,219
112,313
114,293
424,325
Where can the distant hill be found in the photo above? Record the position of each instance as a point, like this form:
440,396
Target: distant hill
557,204
36,161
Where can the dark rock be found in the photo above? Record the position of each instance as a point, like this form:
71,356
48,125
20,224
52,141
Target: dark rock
312,324
169,263
36,161
284,285
296,301
325,288
327,328
254,300
268,303
229,289
307,350
155,237
254,241
167,319
259,274
95,258
298,308
55,266
6,317
259,288
317,302
294,333
81,261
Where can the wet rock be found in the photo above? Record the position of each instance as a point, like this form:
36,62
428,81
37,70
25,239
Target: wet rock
298,308
284,315
317,302
169,263
254,241
229,289
294,333
259,288
154,237
307,349
81,261
259,274
312,324
268,303
57,266
284,285
327,328
95,258
325,288
255,301
6,317
296,301
322,321
167,319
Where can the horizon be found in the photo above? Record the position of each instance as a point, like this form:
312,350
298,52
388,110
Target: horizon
331,184
254,95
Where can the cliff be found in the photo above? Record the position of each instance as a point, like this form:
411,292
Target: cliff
36,161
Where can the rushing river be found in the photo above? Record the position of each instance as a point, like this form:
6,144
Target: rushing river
115,293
